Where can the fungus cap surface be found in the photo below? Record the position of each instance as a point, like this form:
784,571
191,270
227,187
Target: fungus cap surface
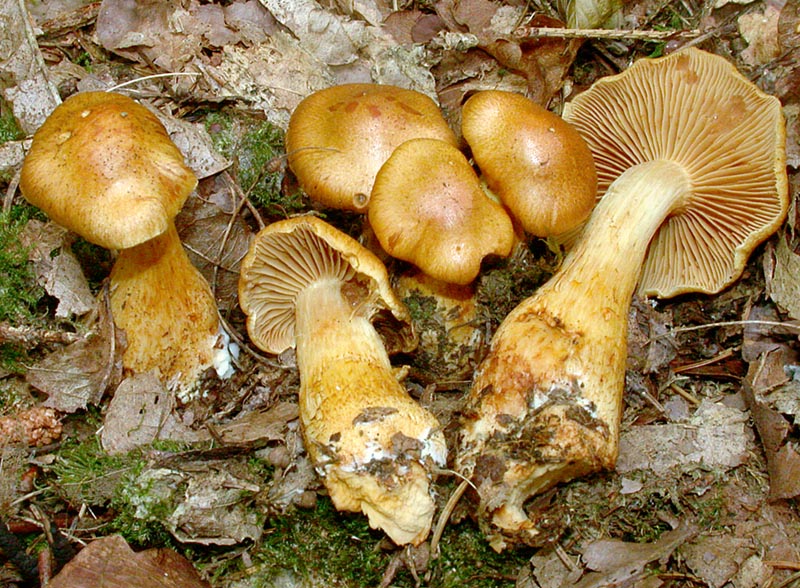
104,167
339,137
428,208
538,165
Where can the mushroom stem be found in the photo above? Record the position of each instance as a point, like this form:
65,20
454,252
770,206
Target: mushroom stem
546,402
370,441
161,300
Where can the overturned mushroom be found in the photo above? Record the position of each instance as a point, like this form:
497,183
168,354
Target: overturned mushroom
305,284
339,137
104,167
691,157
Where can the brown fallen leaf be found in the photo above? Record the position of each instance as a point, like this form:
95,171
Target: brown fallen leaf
79,374
111,562
776,433
616,563
56,268
141,412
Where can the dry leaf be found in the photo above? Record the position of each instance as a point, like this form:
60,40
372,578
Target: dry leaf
618,562
717,559
111,562
56,268
760,30
715,436
216,240
777,435
79,374
199,502
782,276
588,14
26,85
257,426
140,412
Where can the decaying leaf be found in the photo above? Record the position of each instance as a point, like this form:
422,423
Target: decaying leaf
56,268
718,559
216,237
616,563
140,412
25,83
256,426
715,436
111,562
782,276
777,433
760,30
79,374
199,502
588,14
542,63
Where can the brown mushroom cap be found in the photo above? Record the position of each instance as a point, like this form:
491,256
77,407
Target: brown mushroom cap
695,109
428,208
289,255
104,167
339,137
536,163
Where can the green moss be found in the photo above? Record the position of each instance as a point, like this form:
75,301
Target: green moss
19,293
9,129
84,473
322,543
254,146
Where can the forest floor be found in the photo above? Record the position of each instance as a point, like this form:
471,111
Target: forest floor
217,489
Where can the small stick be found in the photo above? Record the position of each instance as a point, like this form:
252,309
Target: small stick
530,33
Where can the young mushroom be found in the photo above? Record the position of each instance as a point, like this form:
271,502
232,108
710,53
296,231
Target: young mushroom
339,137
691,158
304,284
536,163
103,166
428,208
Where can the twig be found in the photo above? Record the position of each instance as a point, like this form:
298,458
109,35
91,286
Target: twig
445,515
731,324
530,33
30,337
150,77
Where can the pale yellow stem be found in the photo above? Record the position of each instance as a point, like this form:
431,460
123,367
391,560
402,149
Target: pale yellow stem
546,402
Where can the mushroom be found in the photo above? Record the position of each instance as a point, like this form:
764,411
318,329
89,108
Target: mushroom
691,158
428,208
104,167
305,284
538,165
452,333
339,137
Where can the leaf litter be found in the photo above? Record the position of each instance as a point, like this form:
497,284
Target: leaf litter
720,490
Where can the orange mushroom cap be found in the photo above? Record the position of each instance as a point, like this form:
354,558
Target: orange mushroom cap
538,165
104,167
428,208
339,137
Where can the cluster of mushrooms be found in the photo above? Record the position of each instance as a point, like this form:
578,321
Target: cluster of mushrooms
678,164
